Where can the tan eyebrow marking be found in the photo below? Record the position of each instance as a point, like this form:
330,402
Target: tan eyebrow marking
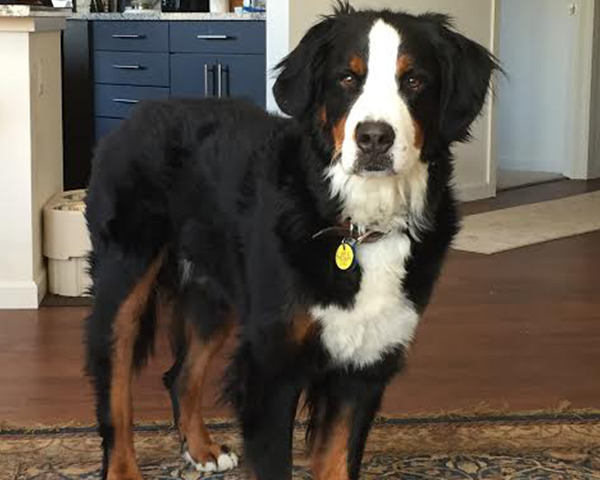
358,65
403,64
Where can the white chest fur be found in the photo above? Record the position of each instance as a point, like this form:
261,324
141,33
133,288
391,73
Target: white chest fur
382,318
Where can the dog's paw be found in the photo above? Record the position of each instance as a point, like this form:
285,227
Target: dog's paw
227,460
220,459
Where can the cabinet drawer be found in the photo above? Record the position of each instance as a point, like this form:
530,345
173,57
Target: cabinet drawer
117,100
217,37
132,68
103,126
131,36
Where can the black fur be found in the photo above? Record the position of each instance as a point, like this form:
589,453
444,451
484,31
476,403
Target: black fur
232,196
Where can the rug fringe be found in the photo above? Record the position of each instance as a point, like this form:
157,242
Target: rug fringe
563,412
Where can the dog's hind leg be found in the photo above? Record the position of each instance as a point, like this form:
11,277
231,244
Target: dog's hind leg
204,327
123,288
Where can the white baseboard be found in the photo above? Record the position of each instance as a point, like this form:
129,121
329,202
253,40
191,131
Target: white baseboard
469,193
20,295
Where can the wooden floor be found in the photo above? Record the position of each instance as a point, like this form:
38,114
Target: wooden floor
517,330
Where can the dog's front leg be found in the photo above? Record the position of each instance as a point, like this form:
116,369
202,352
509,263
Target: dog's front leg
265,397
343,405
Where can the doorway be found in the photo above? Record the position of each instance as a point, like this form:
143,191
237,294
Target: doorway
537,44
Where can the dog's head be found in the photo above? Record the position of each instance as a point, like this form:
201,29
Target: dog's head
384,86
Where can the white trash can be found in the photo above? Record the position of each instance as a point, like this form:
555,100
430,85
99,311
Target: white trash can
67,244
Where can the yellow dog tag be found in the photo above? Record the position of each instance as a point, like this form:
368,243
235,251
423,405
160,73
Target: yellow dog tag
345,255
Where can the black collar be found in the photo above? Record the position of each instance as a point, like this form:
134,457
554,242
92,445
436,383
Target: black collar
349,230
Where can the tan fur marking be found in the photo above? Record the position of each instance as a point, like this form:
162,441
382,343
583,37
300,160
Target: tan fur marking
330,455
403,64
419,135
339,132
122,463
358,66
303,326
323,115
191,423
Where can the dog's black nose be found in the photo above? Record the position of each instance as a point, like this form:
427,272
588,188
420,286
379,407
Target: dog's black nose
374,137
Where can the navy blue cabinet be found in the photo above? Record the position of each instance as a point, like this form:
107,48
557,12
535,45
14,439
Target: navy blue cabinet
132,68
131,36
217,37
137,60
193,75
115,101
104,125
244,76
223,76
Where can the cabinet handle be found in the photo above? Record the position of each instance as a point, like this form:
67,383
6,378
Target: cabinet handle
213,37
219,80
127,35
207,69
125,100
127,67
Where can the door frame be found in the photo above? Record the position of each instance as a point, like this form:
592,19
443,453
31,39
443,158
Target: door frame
583,140
492,153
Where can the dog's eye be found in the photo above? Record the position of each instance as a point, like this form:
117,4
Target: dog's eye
414,83
349,80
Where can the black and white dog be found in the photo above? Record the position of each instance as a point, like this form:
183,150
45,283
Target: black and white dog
317,239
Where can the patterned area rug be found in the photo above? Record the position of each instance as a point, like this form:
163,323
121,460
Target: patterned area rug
418,449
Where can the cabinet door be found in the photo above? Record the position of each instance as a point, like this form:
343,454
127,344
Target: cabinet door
242,76
193,75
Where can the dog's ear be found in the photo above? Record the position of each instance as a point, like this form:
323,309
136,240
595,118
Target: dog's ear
466,69
299,82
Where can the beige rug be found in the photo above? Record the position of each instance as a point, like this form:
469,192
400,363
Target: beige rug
502,230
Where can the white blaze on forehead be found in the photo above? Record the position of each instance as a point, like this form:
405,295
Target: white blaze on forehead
384,42
380,100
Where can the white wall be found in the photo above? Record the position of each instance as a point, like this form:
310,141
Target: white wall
278,42
475,18
537,40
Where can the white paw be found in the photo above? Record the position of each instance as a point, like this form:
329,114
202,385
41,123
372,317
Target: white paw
200,467
226,461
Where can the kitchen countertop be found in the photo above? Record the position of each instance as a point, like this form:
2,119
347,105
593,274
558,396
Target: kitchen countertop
157,15
33,11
